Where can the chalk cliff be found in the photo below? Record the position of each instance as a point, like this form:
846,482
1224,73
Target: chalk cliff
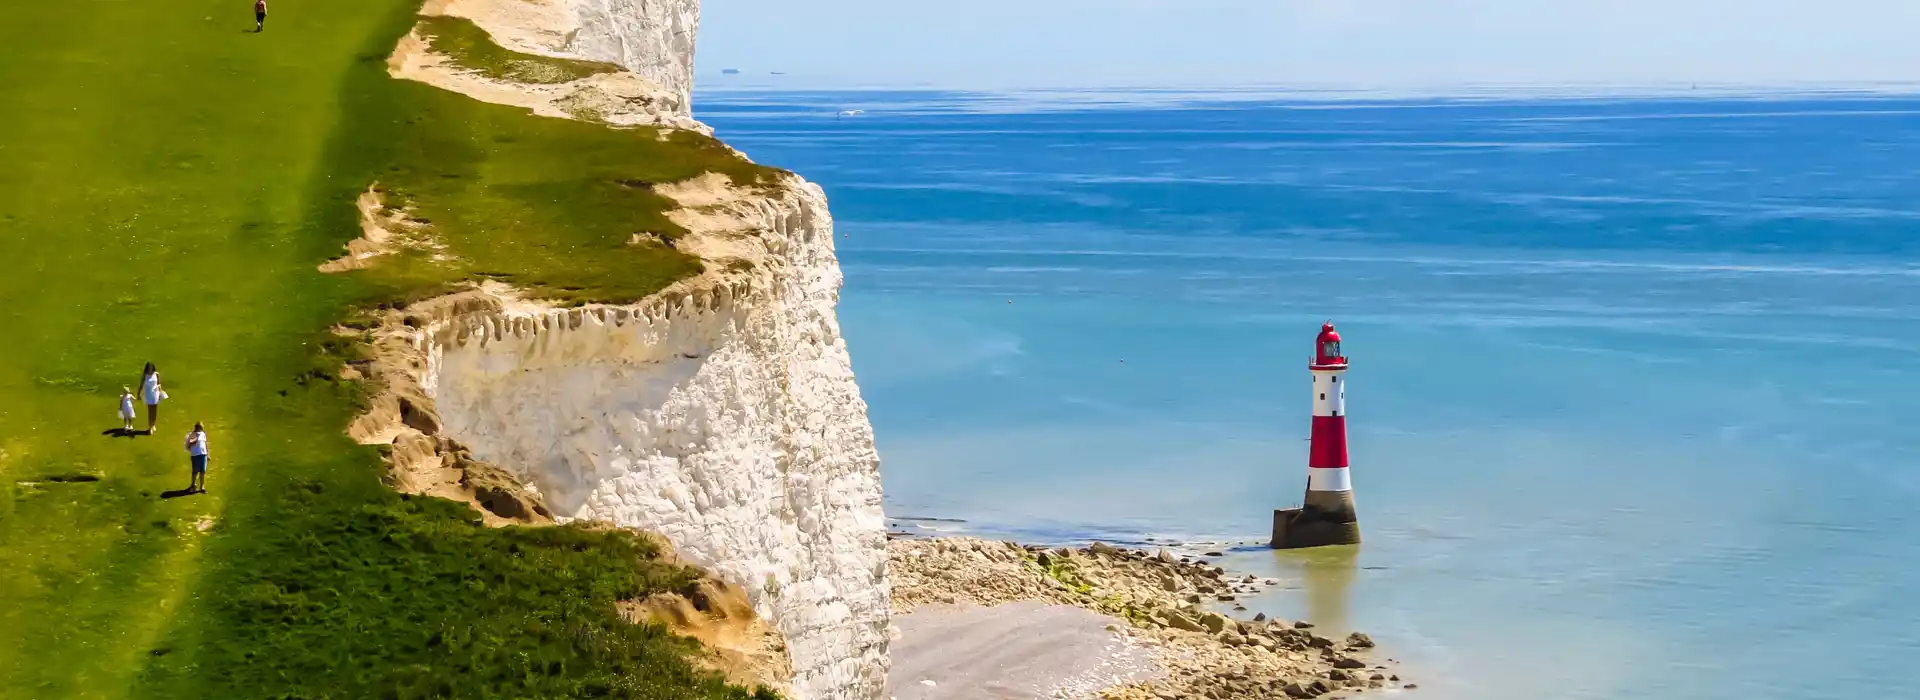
652,38
721,412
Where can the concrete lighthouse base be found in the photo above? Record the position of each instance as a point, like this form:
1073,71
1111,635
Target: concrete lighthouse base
1327,518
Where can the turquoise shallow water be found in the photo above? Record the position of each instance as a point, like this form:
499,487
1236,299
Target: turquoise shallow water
1633,387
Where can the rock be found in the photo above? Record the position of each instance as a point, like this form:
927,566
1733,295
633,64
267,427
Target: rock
1337,675
1164,556
1224,597
1347,662
1193,598
1213,622
1230,638
1359,640
419,418
1318,642
1303,625
1395,678
1295,690
1103,548
1376,677
1212,554
1410,686
1182,622
1260,617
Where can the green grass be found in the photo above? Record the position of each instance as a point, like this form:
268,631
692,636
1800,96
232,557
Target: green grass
168,182
472,48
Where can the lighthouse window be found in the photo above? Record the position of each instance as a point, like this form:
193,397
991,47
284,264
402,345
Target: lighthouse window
1323,397
1336,380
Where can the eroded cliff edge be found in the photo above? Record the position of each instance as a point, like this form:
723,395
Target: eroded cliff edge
720,412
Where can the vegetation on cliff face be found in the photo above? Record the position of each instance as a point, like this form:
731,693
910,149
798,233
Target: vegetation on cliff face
168,182
471,47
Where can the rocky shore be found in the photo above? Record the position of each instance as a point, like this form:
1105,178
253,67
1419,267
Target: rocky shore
1159,603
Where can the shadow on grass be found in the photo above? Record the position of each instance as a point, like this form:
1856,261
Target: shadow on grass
71,478
176,493
125,432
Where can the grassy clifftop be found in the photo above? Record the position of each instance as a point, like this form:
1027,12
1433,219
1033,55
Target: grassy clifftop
549,205
168,182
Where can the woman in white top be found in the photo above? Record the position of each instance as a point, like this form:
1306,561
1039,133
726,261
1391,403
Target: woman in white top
151,393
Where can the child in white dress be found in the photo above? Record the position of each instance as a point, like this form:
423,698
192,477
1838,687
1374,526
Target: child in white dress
126,409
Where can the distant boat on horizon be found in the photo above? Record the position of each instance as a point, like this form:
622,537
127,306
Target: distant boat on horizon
729,71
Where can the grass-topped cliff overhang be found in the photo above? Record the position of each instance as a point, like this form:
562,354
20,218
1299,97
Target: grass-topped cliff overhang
562,208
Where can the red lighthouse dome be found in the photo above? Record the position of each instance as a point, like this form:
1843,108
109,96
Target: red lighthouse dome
1326,349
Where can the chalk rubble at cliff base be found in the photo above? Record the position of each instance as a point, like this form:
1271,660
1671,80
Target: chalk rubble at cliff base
1156,601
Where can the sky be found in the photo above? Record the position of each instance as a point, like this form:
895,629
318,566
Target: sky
1357,43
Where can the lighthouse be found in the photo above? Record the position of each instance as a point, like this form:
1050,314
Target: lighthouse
1325,516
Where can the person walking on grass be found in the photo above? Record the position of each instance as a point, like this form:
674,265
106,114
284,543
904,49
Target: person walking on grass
126,409
197,452
259,16
151,393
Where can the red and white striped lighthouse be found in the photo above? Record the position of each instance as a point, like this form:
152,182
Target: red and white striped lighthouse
1326,515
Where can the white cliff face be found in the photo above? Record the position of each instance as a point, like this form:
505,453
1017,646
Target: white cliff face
653,38
721,413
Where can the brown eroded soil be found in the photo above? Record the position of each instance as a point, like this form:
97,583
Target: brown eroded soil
383,230
718,614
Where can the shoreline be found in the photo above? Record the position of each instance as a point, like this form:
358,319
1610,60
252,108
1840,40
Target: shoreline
1156,606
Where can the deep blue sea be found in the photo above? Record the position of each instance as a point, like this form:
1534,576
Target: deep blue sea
1635,381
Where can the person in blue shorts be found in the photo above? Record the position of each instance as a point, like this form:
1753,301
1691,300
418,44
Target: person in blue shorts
197,451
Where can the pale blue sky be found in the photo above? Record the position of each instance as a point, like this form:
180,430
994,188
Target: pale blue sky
1368,43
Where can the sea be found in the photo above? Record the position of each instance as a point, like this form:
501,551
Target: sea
1635,378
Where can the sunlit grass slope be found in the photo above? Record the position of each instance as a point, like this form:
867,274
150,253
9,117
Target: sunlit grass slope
168,182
